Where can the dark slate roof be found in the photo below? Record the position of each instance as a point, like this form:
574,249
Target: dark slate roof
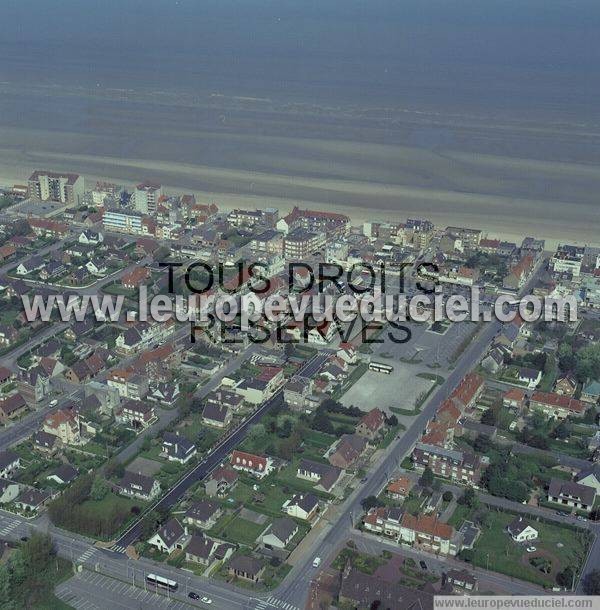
65,472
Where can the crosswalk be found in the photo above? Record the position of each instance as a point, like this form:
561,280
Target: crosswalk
7,527
87,554
117,548
274,602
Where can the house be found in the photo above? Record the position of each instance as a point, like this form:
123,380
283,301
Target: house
46,443
203,514
428,533
571,494
296,392
590,392
399,488
171,536
177,448
279,534
493,361
246,568
139,486
90,238
137,415
514,399
220,482
324,476
6,376
556,406
455,465
224,397
35,263
12,407
203,550
345,452
347,352
520,530
371,424
63,474
34,384
96,267
384,520
9,490
565,386
8,335
530,377
462,579
359,590
65,425
302,506
216,415
32,499
257,465
590,477
133,279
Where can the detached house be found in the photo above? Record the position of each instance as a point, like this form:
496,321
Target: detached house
203,514
9,464
246,568
257,465
216,415
302,506
177,448
139,486
171,536
65,425
371,424
9,490
572,495
324,476
346,452
520,530
530,377
220,481
136,414
12,407
279,534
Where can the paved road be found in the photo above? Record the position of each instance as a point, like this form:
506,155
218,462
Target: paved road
213,459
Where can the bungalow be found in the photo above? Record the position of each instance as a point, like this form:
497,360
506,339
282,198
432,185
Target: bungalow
9,490
32,499
202,550
216,415
279,534
246,568
177,448
220,482
257,465
10,462
170,537
345,452
203,514
573,495
556,406
530,377
139,486
371,424
63,474
324,475
302,506
12,407
520,530
399,488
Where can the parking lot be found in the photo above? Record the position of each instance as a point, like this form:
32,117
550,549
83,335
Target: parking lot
93,591
426,347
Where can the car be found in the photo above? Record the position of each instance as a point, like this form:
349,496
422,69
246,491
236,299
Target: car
193,595
316,562
53,403
423,565
206,600
531,549
364,479
24,538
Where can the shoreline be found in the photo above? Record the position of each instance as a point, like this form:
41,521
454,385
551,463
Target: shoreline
227,201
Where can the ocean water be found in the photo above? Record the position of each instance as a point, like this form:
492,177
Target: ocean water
482,112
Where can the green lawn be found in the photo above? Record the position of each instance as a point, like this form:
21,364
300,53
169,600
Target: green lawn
496,550
238,530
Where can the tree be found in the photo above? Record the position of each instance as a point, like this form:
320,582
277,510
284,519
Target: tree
99,488
38,551
469,498
392,421
257,431
114,468
482,443
565,578
447,496
562,431
370,502
489,417
427,477
591,583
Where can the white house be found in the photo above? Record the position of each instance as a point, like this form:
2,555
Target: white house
521,531
302,506
90,238
171,536
530,376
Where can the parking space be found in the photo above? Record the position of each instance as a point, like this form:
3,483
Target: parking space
93,591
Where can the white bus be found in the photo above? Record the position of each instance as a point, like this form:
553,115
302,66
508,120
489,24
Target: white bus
161,582
379,367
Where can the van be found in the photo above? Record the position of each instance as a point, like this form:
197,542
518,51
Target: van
316,562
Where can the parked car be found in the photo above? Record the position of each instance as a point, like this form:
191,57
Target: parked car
423,565
206,600
193,595
316,562
531,549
